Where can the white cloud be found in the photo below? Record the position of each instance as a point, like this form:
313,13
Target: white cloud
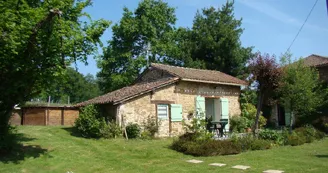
279,15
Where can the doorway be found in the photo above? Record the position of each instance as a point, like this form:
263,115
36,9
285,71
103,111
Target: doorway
213,108
281,116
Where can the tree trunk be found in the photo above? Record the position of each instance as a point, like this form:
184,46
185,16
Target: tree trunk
291,121
5,115
259,107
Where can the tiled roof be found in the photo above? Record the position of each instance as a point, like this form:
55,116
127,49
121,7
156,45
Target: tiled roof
315,60
196,75
207,76
129,92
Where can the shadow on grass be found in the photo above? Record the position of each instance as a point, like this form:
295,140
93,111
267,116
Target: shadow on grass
72,131
15,151
322,156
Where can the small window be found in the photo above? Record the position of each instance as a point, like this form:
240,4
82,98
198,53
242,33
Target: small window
162,111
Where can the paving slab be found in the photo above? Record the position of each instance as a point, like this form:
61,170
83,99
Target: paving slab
242,167
273,171
217,164
194,161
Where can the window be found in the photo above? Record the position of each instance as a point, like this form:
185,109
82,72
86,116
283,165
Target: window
162,111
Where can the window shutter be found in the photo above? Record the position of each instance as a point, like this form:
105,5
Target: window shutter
200,106
176,112
162,111
225,111
287,117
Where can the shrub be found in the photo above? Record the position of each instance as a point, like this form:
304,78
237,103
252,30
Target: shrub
244,142
132,130
295,139
198,127
87,123
146,135
151,127
320,135
189,136
205,148
238,123
249,111
274,135
248,142
111,130
260,144
308,132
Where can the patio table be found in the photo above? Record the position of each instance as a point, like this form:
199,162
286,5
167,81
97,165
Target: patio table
219,127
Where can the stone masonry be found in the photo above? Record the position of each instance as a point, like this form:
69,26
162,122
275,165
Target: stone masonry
137,110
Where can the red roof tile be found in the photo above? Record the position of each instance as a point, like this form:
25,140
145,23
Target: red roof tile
129,92
315,60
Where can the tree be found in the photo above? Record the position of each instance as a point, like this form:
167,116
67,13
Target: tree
300,91
265,72
38,39
214,42
72,87
125,57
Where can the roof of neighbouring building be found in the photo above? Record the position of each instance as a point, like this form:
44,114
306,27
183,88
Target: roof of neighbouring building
177,73
45,105
129,91
200,75
315,60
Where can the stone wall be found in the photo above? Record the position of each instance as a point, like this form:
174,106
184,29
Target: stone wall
323,73
16,117
137,110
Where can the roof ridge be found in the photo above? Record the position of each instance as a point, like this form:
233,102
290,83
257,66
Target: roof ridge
326,57
189,68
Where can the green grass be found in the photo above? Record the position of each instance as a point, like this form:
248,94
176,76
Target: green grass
54,149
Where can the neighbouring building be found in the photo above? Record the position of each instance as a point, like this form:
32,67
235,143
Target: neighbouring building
172,94
44,115
281,116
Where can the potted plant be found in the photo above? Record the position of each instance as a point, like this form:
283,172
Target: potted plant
249,124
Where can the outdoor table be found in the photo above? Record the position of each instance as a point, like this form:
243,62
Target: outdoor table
219,126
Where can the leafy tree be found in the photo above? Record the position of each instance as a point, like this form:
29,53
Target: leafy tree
265,72
300,91
151,23
37,39
214,41
72,87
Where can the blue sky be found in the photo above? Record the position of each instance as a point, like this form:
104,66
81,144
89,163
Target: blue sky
270,25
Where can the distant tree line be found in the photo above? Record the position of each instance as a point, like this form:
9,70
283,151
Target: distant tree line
72,87
213,42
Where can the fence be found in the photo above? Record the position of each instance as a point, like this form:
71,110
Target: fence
52,116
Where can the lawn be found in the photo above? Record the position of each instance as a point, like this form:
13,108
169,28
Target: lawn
54,149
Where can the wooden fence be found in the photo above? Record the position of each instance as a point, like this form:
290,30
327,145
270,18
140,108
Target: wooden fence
52,116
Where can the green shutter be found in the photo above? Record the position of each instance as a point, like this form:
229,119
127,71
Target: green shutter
176,112
200,106
225,111
287,117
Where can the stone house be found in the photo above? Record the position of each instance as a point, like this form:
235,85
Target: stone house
281,116
172,94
